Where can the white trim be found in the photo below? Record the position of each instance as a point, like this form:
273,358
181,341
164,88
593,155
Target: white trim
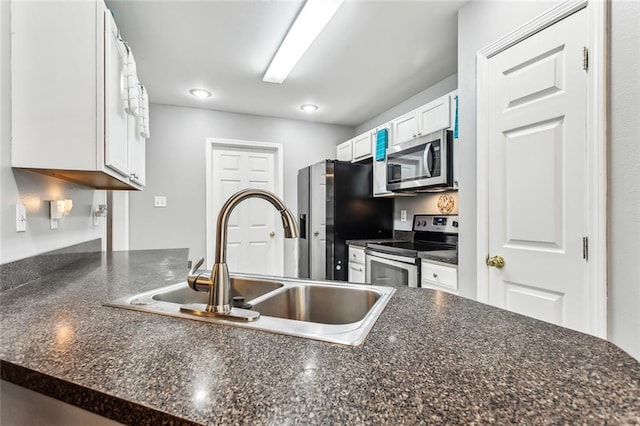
210,216
597,11
537,24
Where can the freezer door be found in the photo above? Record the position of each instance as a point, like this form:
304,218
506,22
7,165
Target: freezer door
318,221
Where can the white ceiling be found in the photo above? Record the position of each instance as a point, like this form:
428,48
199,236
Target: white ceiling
371,56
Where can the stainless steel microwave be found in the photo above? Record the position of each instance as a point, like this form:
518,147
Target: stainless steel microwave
423,163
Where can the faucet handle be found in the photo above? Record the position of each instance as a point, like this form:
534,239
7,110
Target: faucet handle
196,266
198,282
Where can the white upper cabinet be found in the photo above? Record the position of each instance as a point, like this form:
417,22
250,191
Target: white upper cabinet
343,151
420,122
434,116
68,87
405,127
362,146
117,129
137,152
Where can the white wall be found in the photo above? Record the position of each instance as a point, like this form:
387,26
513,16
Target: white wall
441,88
32,189
176,169
624,179
420,204
479,23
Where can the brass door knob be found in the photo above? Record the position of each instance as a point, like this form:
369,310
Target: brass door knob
495,261
272,234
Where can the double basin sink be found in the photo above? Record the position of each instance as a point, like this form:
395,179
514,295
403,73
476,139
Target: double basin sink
329,311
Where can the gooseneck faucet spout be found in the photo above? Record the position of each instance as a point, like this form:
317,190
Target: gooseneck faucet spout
218,283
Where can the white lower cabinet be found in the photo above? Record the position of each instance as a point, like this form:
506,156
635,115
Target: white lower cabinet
439,276
357,266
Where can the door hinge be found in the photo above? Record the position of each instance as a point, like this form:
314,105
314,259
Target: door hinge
585,58
585,248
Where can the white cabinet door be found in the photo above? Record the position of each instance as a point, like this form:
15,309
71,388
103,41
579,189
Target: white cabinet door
362,147
344,151
357,271
434,116
405,128
137,151
116,127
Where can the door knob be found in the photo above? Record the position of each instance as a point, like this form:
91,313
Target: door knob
315,234
495,261
272,234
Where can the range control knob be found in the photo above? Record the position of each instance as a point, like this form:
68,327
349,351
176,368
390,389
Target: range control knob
454,224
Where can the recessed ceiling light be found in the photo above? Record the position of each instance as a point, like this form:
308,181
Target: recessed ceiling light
200,93
310,21
309,108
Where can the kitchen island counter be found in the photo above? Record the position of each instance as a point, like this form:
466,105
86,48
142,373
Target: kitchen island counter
432,357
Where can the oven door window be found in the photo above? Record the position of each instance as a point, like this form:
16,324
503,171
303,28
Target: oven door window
392,274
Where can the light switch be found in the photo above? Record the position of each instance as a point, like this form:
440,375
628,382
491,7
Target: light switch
21,218
159,201
403,215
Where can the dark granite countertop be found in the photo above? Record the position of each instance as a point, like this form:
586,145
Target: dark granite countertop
363,243
432,357
444,256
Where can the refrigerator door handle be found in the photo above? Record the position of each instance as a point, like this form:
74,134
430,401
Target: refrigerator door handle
303,226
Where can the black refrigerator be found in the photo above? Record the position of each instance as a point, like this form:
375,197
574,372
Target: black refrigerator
336,204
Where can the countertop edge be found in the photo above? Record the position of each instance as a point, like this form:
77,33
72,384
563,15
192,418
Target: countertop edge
97,402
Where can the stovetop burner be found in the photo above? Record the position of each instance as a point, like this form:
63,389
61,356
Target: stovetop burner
431,233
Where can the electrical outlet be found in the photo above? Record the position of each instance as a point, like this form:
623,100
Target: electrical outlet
21,218
159,201
403,215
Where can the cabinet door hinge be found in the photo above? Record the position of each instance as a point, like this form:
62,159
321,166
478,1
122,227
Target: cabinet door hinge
585,248
585,58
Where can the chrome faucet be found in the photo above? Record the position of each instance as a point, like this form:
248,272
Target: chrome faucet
217,283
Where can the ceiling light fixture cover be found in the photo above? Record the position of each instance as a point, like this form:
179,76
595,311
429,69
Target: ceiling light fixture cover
200,93
313,17
309,108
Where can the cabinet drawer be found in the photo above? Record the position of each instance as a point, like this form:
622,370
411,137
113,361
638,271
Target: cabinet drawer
356,255
439,276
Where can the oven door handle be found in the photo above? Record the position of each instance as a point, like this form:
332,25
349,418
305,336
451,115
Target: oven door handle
403,259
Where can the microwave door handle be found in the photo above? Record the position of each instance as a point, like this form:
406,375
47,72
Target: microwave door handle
427,159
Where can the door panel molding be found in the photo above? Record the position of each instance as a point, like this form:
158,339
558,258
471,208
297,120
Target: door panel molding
597,22
210,215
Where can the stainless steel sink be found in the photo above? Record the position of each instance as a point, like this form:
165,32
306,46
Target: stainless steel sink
249,288
321,304
329,311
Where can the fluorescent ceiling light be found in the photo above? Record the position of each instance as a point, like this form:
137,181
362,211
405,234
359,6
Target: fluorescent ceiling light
309,108
200,93
312,19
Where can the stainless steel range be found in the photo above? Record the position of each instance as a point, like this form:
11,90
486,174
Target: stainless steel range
398,263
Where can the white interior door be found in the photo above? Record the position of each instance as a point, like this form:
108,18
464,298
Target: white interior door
255,234
318,228
537,179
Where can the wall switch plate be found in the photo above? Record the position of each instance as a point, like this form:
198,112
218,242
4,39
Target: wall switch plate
403,215
159,201
21,218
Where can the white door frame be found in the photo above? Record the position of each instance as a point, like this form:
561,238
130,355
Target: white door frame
210,215
597,18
